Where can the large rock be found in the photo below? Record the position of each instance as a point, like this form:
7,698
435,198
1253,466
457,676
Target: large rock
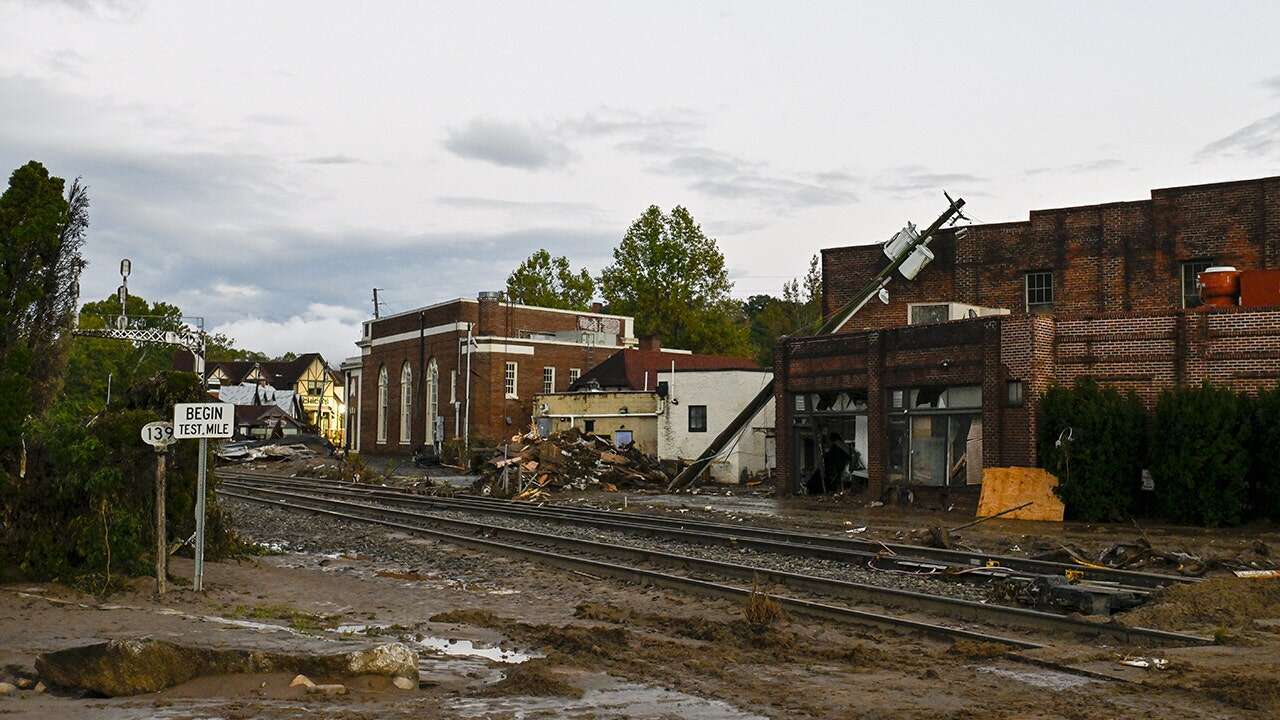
131,667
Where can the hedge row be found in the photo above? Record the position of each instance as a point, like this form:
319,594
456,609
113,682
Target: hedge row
1210,451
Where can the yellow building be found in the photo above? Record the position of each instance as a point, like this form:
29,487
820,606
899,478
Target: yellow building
319,398
623,416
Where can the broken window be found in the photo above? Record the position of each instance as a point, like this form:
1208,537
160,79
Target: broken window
574,374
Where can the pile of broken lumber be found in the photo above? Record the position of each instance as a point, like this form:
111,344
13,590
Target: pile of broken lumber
534,466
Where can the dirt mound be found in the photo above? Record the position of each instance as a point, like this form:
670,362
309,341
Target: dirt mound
1223,602
535,679
602,612
977,649
1252,692
470,616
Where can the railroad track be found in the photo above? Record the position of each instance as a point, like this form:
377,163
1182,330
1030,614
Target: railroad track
942,615
900,556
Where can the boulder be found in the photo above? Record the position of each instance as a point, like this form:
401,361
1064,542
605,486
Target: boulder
135,666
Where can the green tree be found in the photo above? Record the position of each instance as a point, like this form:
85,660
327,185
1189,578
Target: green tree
547,281
1265,473
41,233
669,275
797,312
93,360
1099,465
1200,458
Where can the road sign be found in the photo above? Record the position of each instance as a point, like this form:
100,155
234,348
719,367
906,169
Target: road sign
203,420
158,434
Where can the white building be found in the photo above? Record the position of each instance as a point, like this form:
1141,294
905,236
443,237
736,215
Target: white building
700,404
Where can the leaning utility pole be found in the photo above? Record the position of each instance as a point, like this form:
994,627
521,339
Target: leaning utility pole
907,241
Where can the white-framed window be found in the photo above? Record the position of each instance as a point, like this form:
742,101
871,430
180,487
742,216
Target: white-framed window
1039,290
453,386
1190,281
406,402
574,374
382,404
510,380
433,400
548,380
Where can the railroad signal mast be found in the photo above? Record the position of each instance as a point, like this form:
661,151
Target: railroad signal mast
188,338
908,253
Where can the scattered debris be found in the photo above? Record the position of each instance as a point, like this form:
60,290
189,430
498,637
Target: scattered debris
1145,662
302,680
327,689
535,466
7,688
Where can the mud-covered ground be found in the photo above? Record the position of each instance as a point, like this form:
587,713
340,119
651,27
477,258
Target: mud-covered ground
503,639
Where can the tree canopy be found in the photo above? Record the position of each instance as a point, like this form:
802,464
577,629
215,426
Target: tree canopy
797,312
547,281
672,278
42,226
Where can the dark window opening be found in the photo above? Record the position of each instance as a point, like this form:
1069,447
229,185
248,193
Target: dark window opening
589,425
1191,281
697,418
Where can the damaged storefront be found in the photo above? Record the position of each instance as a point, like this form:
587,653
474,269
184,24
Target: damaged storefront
897,412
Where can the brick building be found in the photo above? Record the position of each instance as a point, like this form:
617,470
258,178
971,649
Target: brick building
408,388
916,398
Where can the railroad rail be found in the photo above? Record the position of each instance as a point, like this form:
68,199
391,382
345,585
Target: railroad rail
589,557
898,555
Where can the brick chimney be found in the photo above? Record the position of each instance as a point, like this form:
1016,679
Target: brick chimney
597,307
651,342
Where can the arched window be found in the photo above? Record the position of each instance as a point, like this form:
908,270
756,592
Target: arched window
433,400
382,404
406,402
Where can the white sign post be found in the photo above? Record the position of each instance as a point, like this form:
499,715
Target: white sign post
203,421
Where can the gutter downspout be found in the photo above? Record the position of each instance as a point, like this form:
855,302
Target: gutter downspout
466,428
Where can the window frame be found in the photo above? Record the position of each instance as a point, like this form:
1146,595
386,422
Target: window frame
692,427
510,380
574,374
384,398
1027,290
1015,393
1183,266
433,401
548,379
406,403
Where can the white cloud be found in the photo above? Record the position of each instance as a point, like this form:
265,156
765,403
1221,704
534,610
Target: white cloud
231,291
330,330
508,145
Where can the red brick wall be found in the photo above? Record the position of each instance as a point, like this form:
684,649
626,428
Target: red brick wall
493,415
1115,257
1144,352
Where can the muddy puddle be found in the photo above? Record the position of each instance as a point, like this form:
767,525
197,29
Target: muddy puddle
1049,679
604,697
450,647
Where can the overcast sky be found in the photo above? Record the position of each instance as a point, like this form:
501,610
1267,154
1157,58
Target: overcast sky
266,164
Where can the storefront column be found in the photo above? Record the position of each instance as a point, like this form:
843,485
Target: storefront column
877,417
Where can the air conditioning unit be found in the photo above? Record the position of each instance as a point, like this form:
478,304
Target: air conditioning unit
927,313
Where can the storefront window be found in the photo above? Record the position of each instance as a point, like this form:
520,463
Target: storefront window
939,441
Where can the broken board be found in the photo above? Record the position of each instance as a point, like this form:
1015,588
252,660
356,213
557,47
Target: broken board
1006,487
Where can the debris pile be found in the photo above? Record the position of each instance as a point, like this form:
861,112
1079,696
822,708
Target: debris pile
534,466
246,452
1140,554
